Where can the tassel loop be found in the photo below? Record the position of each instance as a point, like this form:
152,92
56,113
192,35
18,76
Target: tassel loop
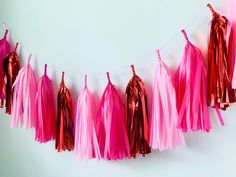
16,46
133,70
185,35
85,80
45,69
62,77
5,35
211,8
108,76
158,55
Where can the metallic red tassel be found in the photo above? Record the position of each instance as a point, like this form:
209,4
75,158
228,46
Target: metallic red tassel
137,117
65,124
11,67
220,92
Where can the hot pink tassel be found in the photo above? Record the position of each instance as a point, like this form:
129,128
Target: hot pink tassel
111,125
163,130
86,143
45,127
4,51
191,91
23,105
232,40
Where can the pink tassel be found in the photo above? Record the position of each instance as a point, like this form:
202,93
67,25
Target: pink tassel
45,128
163,132
191,91
86,144
111,125
23,106
232,40
4,51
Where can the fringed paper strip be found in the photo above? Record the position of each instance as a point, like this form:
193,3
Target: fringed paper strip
220,67
191,90
23,104
137,117
86,143
65,122
11,67
111,125
163,130
4,51
45,128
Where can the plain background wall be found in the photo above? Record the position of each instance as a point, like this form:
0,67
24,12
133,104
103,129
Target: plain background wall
97,36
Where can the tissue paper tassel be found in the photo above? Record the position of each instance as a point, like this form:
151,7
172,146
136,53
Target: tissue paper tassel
191,91
163,127
45,128
86,144
4,51
23,104
111,125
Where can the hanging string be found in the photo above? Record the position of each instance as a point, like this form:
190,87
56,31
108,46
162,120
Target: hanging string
172,38
141,59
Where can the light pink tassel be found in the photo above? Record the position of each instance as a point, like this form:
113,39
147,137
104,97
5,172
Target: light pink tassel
23,105
111,125
45,128
163,128
191,90
86,144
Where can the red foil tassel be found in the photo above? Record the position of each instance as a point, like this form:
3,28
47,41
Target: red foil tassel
220,67
137,117
11,67
65,124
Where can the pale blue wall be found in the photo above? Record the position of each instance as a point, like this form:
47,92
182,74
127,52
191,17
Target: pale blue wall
93,37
